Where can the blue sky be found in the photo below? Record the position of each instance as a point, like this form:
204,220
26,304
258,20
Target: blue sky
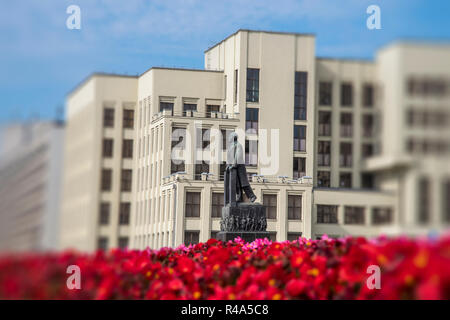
41,60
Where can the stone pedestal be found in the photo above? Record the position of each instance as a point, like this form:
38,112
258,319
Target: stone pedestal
245,220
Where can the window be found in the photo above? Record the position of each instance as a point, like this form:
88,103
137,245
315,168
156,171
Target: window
251,153
200,168
236,85
127,148
222,169
346,154
367,125
123,242
108,145
323,179
324,123
104,213
128,119
299,168
424,205
294,207
354,215
299,138
366,150
192,206
108,117
177,166
165,106
300,99
191,237
178,137
225,134
325,93
292,236
203,138
324,153
210,108
124,213
346,125
214,234
106,179
125,183
446,201
251,120
102,243
270,202
189,107
367,181
345,180
272,236
217,203
346,94
327,214
381,216
368,95
252,85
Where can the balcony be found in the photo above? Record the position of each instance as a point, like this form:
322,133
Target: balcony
167,113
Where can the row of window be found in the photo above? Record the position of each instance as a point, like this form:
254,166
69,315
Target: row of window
345,153
353,215
109,118
346,124
105,213
103,243
125,180
422,146
424,200
427,118
425,86
346,94
108,148
345,180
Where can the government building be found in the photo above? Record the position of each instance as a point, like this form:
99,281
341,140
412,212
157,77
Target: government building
332,146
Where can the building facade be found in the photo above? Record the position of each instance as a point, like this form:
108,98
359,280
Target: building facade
321,136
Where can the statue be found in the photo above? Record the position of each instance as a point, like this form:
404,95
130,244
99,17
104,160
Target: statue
235,174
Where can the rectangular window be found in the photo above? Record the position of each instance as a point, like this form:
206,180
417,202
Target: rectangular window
102,243
225,134
446,201
270,202
346,94
165,106
104,213
124,213
106,179
273,236
323,179
108,145
300,99
325,93
127,148
368,95
200,168
252,85
324,123
217,203
366,150
178,137
294,207
191,237
108,117
192,205
327,214
251,120
354,215
367,181
210,108
223,167
123,242
345,180
291,236
177,166
381,216
236,85
424,197
203,138
128,119
367,125
324,153
251,153
125,182
189,107
299,166
299,138
346,154
346,125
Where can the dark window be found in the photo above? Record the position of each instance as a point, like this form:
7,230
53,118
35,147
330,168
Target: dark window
346,94
108,117
125,182
104,213
346,125
108,145
446,201
381,215
424,197
368,95
192,206
325,93
251,152
217,203
106,179
367,181
210,108
178,137
345,180
225,134
366,150
299,138
127,148
300,99
323,179
354,215
191,237
252,85
200,168
165,106
223,167
124,214
324,123
324,153
270,201
214,234
251,120
294,207
291,236
346,154
203,138
272,236
236,85
367,125
299,167
327,214
102,243
177,166
128,119
189,107
123,242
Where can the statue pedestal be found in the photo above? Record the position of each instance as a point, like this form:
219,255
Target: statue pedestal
245,220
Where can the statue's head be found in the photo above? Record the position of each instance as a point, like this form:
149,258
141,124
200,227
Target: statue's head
233,137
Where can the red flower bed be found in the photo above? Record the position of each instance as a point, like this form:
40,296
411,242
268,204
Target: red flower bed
322,269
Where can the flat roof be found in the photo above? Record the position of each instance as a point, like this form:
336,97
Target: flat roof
179,69
347,59
97,74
